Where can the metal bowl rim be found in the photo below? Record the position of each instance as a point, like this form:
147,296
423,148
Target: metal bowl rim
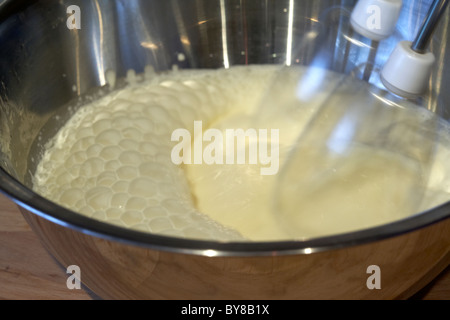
35,204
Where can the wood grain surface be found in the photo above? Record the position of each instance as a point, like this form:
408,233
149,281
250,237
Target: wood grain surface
28,272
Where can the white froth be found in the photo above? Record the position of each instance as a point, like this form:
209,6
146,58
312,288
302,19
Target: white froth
112,160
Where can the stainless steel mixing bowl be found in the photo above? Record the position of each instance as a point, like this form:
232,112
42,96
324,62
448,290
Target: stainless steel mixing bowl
46,68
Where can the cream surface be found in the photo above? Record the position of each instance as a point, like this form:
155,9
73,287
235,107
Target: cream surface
112,162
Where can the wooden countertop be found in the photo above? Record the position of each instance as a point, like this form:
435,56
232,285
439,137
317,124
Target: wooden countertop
27,272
